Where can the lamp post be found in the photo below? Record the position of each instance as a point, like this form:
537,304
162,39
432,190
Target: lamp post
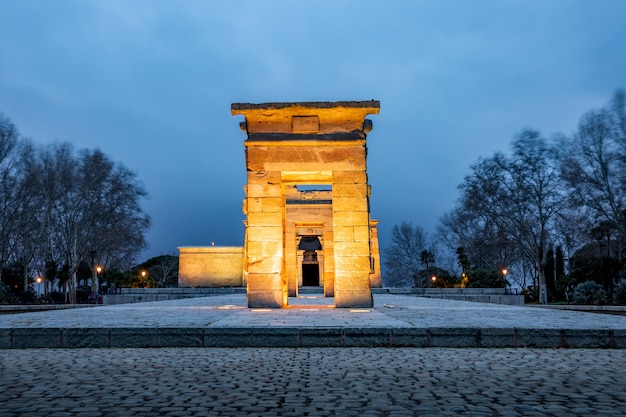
38,280
433,279
96,287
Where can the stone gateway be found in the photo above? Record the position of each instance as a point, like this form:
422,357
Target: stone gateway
306,204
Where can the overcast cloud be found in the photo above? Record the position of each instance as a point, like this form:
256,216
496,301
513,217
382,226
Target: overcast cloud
150,83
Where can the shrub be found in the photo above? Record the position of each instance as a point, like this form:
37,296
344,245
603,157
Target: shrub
589,292
619,293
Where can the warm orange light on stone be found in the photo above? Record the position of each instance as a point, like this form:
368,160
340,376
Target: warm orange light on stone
306,206
210,266
294,144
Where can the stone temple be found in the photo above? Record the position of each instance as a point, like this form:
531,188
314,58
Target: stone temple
306,205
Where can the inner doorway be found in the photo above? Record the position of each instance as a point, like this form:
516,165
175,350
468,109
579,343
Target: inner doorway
310,263
311,274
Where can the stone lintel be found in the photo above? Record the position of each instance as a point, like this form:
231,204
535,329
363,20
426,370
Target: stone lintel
240,108
300,141
307,120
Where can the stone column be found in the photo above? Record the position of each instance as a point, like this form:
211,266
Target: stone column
375,275
351,235
264,246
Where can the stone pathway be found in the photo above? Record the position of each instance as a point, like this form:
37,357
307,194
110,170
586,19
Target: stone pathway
363,382
395,320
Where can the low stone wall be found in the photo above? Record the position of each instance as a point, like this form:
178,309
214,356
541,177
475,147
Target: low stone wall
212,266
142,295
478,295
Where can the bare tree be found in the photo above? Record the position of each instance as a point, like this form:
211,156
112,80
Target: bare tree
164,270
519,196
403,257
593,167
93,207
9,180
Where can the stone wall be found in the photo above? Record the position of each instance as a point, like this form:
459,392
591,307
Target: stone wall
143,295
212,266
477,295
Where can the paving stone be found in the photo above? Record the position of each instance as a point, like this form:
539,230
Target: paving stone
26,337
85,338
179,337
452,337
275,337
122,337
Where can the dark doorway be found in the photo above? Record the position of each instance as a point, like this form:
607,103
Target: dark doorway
311,275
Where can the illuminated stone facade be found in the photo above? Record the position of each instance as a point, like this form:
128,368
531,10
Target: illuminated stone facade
307,202
212,266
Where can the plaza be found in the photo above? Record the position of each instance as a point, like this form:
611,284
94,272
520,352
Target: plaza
406,356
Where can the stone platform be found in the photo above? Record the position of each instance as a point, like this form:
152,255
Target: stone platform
311,321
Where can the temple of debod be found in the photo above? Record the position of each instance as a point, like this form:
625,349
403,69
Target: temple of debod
306,205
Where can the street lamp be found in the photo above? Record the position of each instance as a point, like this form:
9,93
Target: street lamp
433,279
38,280
96,289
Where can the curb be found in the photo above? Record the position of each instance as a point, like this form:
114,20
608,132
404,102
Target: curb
302,337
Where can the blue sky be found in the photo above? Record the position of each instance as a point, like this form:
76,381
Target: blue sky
150,83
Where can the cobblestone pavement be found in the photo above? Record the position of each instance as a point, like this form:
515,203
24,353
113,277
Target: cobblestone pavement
312,382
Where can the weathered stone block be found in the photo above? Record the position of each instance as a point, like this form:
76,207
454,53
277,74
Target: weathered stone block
350,204
333,117
265,299
344,233
264,234
265,219
353,298
362,264
367,337
619,338
265,265
264,177
133,337
227,337
5,338
497,338
408,337
265,282
24,338
275,337
351,248
260,249
344,263
362,234
591,339
321,337
346,218
349,177
305,124
350,190
211,266
179,337
86,338
455,337
272,205
263,190
541,338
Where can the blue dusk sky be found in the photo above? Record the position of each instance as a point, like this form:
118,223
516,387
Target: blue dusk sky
150,83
